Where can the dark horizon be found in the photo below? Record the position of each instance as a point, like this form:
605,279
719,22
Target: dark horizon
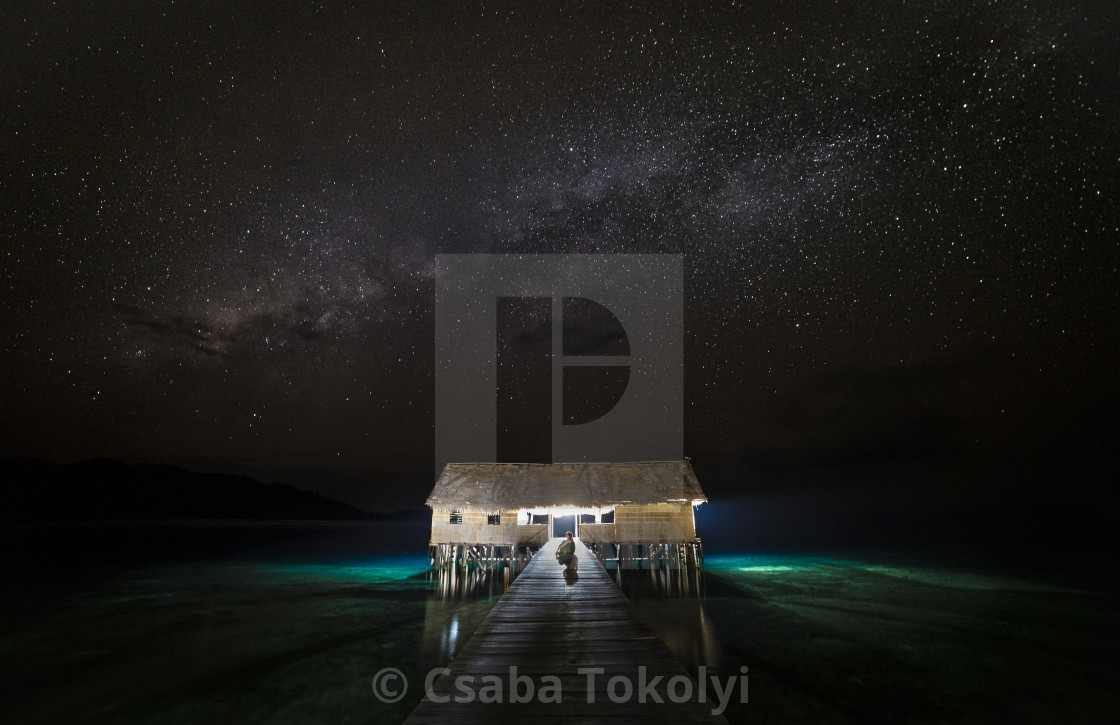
823,515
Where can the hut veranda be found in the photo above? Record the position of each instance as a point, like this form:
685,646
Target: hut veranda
632,515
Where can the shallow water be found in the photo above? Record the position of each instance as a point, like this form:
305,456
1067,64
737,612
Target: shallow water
838,640
273,634
276,623
230,642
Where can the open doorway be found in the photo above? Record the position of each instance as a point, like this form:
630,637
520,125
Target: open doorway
563,524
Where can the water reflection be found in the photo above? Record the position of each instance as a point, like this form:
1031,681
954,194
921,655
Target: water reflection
457,583
685,581
448,642
671,603
458,601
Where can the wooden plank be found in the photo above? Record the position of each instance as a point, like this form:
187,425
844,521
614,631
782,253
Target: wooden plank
551,626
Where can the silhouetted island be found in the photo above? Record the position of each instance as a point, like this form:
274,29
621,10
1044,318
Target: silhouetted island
102,489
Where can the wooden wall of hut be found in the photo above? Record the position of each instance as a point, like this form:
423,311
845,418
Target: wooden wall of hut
656,522
473,527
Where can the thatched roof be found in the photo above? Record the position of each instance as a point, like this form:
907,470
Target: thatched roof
494,487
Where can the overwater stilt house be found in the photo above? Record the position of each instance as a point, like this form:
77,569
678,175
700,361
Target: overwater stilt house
635,514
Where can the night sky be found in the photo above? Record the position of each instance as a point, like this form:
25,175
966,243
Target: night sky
899,225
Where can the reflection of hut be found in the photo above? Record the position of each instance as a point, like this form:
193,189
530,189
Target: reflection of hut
631,514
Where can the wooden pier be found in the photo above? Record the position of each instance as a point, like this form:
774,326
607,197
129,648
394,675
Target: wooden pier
550,626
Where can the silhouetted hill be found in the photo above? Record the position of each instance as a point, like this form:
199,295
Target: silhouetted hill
102,489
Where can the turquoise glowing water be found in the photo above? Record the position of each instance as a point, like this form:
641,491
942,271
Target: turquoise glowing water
825,639
889,639
229,642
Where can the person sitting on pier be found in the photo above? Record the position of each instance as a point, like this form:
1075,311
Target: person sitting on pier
566,552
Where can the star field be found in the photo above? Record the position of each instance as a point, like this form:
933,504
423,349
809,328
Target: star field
899,221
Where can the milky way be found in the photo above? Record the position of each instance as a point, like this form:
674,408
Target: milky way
898,220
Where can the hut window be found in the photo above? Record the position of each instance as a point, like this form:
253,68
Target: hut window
456,517
587,518
493,519
607,517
